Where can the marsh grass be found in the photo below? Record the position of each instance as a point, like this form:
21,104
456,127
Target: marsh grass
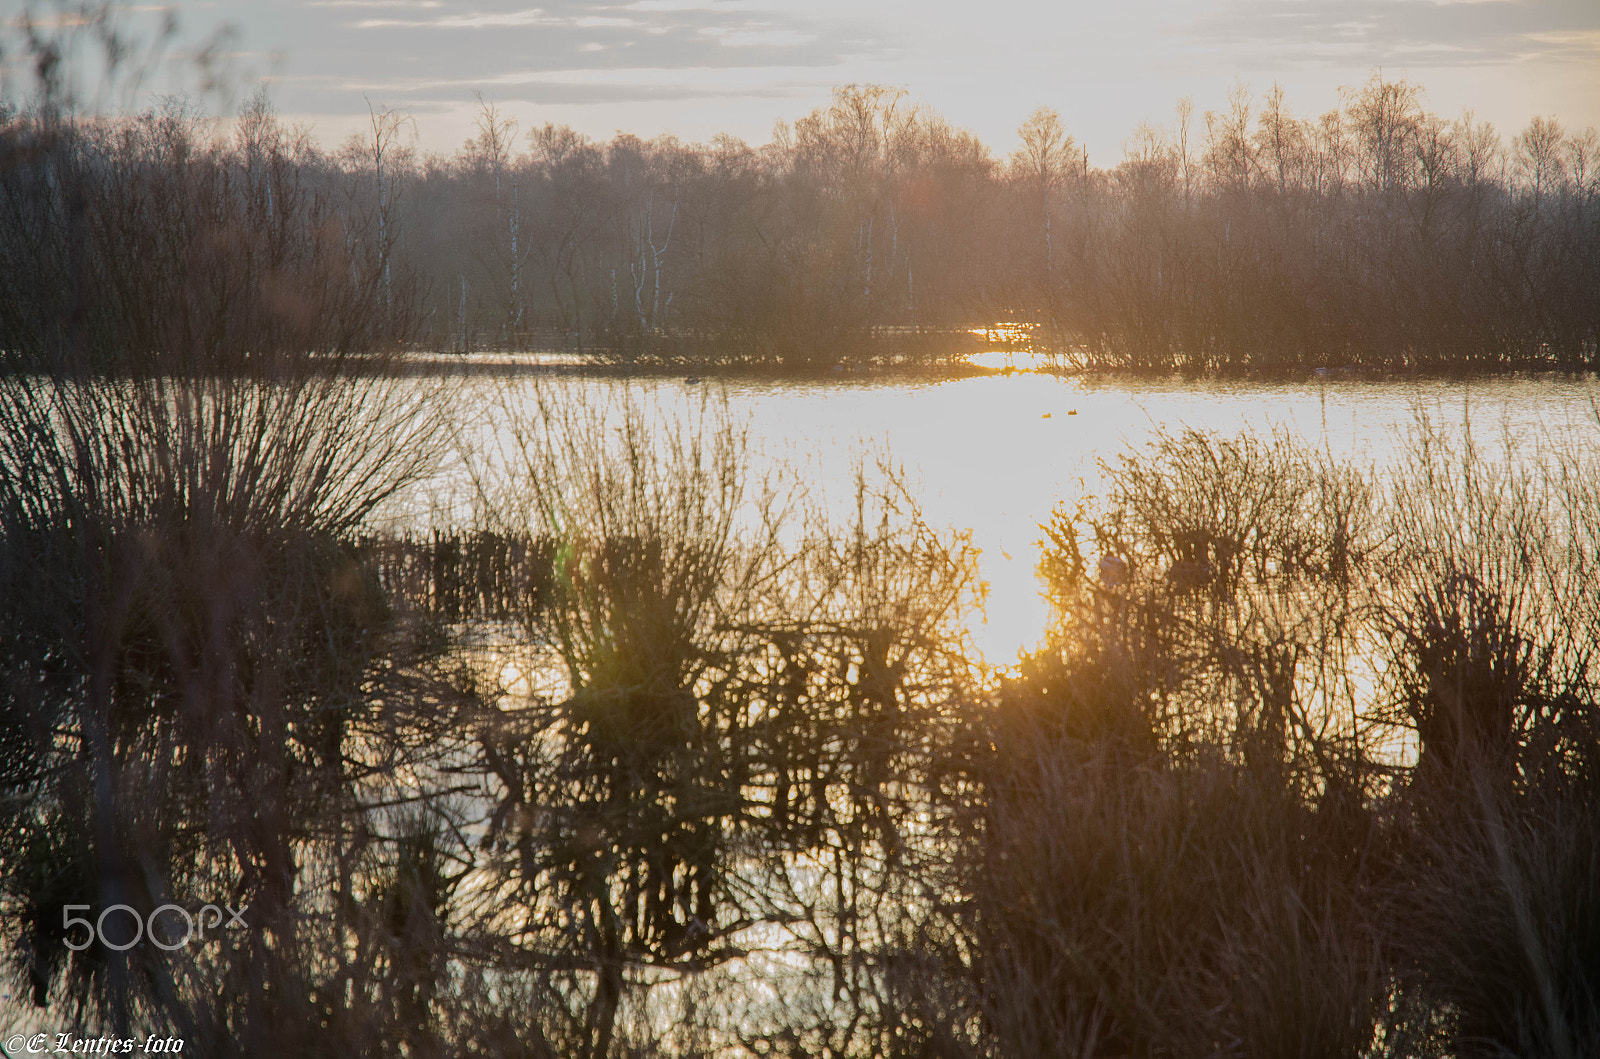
1130,905
1169,837
1200,832
1308,768
191,649
753,695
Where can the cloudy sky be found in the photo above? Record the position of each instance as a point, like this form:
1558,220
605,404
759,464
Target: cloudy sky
699,67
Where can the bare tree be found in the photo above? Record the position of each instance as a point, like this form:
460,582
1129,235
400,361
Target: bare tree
1043,161
384,149
1384,116
1537,153
1185,112
1583,160
1230,155
1282,140
490,152
1479,144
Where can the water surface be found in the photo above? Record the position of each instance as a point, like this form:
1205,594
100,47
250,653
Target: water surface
993,454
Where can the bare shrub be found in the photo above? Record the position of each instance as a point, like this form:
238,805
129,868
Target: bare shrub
1126,903
1243,601
1167,846
752,699
192,666
1492,633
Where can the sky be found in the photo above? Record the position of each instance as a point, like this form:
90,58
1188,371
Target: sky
696,68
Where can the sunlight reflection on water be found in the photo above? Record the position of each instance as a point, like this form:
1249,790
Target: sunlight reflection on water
994,454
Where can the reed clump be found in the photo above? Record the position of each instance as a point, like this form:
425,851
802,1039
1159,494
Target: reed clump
1333,794
751,699
194,650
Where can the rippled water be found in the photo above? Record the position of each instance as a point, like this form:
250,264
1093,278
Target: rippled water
994,454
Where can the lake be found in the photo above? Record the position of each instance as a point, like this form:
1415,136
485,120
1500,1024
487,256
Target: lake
993,454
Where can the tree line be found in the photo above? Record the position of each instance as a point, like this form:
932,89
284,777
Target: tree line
1377,235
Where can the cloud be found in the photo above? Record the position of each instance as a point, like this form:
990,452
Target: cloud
1411,32
574,86
423,5
423,55
500,20
558,92
408,42
675,5
755,36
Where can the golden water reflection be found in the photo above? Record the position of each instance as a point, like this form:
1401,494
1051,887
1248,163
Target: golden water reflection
1010,360
993,454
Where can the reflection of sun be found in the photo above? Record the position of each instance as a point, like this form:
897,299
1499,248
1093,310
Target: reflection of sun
1011,347
1006,333
1017,359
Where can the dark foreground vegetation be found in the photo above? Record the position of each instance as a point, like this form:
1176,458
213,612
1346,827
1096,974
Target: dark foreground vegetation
1377,235
657,760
